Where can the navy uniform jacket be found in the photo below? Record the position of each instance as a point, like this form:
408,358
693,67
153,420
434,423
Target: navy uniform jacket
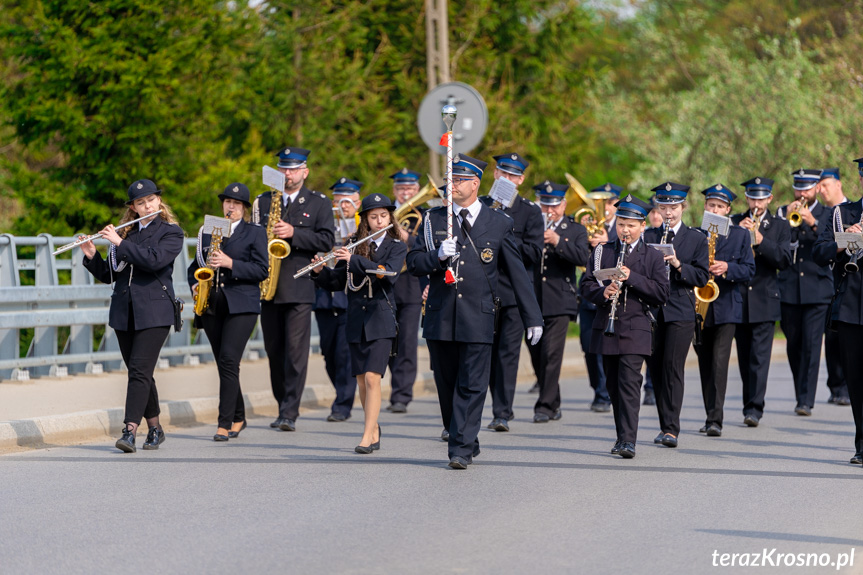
247,246
408,289
647,286
611,228
804,281
376,314
690,246
734,249
148,255
464,311
527,227
761,296
848,306
556,288
311,214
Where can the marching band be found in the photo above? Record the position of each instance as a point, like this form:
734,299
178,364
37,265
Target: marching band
480,275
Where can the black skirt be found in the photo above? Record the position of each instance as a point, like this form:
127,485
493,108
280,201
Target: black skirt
370,356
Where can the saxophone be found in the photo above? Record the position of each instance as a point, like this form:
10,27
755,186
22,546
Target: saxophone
277,248
707,294
206,274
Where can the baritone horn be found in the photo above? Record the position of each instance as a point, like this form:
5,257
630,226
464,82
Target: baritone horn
277,249
407,215
578,197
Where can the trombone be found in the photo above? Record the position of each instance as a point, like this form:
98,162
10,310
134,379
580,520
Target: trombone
92,237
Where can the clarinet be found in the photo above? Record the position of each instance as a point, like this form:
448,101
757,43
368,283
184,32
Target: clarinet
609,328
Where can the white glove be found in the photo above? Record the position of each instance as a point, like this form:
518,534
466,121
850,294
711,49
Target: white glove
447,249
534,334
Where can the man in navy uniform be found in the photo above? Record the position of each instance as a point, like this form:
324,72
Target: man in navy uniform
830,193
408,297
770,237
805,290
686,269
506,350
565,248
732,269
460,316
286,321
847,309
626,343
331,307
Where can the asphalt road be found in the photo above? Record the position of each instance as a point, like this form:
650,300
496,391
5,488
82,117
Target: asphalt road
542,498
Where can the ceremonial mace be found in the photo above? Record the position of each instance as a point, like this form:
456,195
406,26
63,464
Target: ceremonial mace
448,113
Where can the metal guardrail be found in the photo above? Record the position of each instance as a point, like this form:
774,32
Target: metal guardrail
80,305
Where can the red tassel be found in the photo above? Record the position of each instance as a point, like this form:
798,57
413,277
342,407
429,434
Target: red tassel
449,277
443,139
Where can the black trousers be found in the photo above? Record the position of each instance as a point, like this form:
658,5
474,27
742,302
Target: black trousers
835,373
713,356
505,353
623,378
803,326
287,332
403,366
672,341
337,357
593,361
461,376
851,342
549,358
754,348
140,349
228,334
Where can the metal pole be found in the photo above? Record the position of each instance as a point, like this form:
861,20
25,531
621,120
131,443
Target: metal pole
437,61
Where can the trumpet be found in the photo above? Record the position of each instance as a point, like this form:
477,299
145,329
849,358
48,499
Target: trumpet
332,255
92,237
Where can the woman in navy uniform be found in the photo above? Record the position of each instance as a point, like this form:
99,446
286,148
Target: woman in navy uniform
371,327
847,310
234,301
686,269
140,263
732,269
626,349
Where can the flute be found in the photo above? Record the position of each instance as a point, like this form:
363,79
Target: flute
90,238
332,255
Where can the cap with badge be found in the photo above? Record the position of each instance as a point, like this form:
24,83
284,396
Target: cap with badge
550,194
805,179
511,164
632,208
236,191
608,188
828,173
373,201
859,162
670,193
468,167
346,186
405,177
719,192
142,189
758,188
293,157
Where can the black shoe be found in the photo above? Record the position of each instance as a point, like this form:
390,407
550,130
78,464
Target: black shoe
857,459
236,434
556,415
842,400
457,462
534,388
803,410
703,428
377,444
649,397
627,450
750,421
444,435
669,440
398,407
832,398
287,425
475,453
600,406
276,423
365,450
510,418
499,424
220,437
127,442
541,418
155,438
338,417
713,430
616,449
658,439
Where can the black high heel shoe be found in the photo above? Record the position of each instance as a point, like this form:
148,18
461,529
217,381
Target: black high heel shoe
377,444
235,434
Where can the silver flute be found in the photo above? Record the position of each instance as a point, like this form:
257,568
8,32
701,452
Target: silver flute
90,238
332,255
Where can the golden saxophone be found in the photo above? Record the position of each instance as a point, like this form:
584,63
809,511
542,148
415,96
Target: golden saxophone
704,296
206,274
278,249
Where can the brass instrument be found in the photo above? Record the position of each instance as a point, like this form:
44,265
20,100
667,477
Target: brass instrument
332,255
757,219
706,295
86,239
206,274
609,327
794,217
852,267
578,197
277,249
407,215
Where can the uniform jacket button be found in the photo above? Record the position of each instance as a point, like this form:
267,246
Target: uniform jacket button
750,288
801,274
364,308
459,296
543,278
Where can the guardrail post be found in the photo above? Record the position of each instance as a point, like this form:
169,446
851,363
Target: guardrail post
9,341
44,338
109,343
80,336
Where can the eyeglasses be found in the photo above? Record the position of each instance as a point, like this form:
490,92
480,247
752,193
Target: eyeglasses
460,180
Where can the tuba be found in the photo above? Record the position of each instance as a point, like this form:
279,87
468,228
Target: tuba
704,296
277,249
206,274
578,197
407,215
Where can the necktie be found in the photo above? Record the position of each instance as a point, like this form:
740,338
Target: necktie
286,204
373,250
465,225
